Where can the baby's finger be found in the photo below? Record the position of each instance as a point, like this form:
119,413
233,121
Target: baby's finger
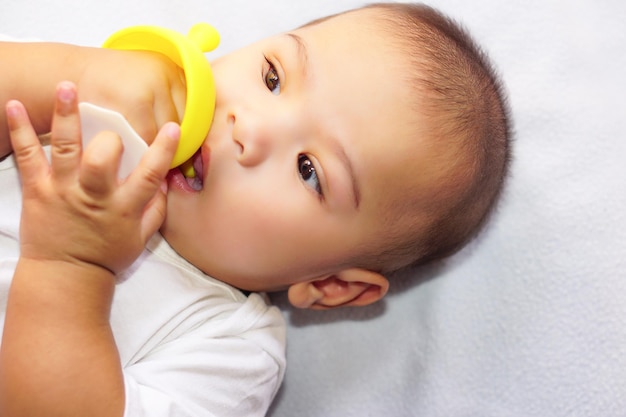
141,118
65,150
28,153
169,105
145,119
165,111
154,214
100,163
146,179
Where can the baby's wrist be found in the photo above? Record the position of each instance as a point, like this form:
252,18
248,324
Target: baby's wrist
67,268
65,294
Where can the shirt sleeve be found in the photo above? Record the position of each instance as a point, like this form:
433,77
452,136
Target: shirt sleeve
236,374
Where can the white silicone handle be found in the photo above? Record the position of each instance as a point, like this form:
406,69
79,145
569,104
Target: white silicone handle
95,119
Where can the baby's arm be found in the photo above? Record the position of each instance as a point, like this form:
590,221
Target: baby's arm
80,226
146,87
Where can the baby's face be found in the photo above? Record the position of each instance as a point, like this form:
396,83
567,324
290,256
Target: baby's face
306,151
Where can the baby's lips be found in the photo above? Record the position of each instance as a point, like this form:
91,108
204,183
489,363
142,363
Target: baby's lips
196,181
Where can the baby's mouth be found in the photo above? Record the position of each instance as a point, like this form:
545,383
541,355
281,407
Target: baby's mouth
194,182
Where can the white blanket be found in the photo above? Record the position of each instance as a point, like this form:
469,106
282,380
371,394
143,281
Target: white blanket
529,320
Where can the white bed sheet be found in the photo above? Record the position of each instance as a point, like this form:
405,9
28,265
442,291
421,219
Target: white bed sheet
530,319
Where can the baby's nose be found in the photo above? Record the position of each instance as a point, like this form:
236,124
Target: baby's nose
252,138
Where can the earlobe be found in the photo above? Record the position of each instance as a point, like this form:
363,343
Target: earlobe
350,287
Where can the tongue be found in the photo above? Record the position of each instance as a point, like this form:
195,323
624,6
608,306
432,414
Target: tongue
197,164
196,181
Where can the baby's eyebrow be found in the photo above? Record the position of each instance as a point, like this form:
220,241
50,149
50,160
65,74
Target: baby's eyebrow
303,54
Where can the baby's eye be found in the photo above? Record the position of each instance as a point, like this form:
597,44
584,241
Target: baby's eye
272,80
308,174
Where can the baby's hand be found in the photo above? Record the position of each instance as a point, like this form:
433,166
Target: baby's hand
75,209
147,88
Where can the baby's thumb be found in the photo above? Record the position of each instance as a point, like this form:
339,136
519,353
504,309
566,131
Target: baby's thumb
154,213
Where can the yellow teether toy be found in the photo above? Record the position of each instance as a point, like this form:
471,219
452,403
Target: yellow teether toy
188,53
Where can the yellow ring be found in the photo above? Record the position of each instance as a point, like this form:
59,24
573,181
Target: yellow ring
188,53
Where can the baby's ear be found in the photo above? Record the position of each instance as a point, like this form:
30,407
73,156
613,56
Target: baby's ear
350,287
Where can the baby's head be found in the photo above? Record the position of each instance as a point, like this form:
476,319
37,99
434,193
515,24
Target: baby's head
340,152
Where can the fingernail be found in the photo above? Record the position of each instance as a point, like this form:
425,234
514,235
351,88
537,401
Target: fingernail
173,131
12,108
164,186
66,92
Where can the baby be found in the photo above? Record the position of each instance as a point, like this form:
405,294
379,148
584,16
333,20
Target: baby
340,152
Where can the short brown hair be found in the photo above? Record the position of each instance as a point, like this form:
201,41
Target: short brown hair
467,109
